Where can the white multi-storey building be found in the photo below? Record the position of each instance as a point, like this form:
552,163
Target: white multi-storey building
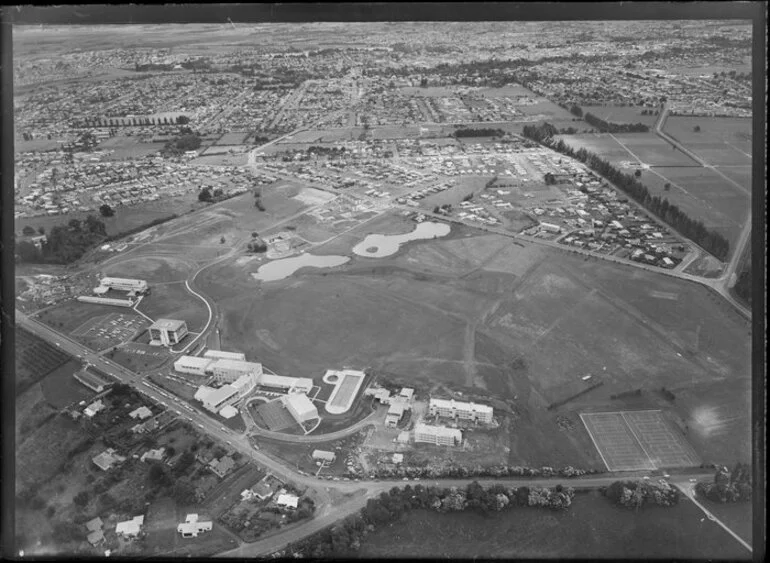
167,332
456,409
439,435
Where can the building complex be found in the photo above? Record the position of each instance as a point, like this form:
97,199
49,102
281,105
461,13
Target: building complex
464,411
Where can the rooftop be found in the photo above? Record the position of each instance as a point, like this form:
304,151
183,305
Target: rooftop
168,324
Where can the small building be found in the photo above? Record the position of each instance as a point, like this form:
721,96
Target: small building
287,500
153,455
130,528
403,437
323,455
550,227
92,380
107,459
394,415
192,526
398,458
141,413
94,408
223,466
300,407
94,525
96,537
439,435
263,489
228,412
407,393
167,332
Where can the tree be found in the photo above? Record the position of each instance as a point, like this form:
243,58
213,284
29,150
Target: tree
222,240
183,120
667,186
106,210
205,195
81,499
74,225
638,173
28,231
696,128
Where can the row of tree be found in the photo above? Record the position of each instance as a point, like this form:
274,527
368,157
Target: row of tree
132,121
637,494
696,231
479,132
345,537
461,471
728,486
608,127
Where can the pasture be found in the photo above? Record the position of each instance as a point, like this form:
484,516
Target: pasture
621,114
733,133
652,150
35,358
173,301
154,269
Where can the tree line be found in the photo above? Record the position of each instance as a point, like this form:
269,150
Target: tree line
345,538
64,244
695,230
607,127
728,486
637,494
481,132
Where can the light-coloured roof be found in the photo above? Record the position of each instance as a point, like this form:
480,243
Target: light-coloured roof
287,500
228,412
452,404
193,362
168,324
216,396
421,428
225,355
300,403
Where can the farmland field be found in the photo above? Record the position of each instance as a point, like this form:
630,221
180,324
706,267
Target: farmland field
164,269
35,358
591,525
618,114
733,133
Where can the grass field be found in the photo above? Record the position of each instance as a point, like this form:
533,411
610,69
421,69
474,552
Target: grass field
35,359
173,301
164,269
591,528
731,135
618,114
61,389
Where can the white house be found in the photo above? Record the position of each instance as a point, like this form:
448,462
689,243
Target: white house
191,527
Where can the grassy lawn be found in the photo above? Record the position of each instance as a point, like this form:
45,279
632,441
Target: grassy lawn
173,301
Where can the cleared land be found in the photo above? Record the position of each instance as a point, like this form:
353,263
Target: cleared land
173,301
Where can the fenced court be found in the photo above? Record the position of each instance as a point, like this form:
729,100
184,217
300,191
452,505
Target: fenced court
274,415
637,440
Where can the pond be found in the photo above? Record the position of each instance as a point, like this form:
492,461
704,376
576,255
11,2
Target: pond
280,269
377,246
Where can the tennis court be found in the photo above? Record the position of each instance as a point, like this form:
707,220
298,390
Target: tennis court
638,440
275,416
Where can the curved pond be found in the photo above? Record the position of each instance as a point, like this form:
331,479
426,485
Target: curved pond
280,269
377,246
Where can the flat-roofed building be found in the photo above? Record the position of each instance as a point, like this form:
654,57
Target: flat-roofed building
125,284
192,365
456,409
394,415
216,399
300,407
219,354
293,384
323,455
227,371
439,435
167,332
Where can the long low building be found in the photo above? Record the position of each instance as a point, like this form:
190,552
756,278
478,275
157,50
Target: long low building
124,284
294,384
192,365
300,407
439,435
456,409
220,354
106,301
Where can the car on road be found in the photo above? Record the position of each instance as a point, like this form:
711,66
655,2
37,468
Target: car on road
646,478
200,425
405,479
693,480
59,345
222,428
229,442
164,404
666,476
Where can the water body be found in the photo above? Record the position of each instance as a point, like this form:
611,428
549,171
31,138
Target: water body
280,269
377,246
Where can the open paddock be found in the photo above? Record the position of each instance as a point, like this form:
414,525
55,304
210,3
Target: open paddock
621,114
69,315
233,138
173,301
154,269
735,132
652,150
61,389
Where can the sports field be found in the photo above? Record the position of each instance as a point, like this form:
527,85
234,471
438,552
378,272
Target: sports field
637,440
